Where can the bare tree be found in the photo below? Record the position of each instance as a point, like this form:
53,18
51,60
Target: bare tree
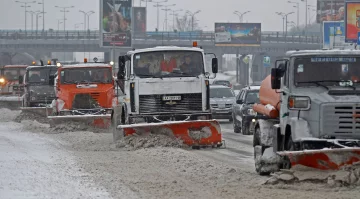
184,24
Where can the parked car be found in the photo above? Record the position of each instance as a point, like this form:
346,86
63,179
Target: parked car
222,99
243,115
222,82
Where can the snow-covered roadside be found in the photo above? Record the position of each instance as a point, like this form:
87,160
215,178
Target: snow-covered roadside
34,166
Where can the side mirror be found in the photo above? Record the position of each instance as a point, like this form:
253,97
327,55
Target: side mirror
275,78
239,101
214,65
52,80
121,72
21,79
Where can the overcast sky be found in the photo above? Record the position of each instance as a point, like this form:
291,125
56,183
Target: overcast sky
12,15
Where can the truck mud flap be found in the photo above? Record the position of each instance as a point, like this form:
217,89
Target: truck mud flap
324,159
98,121
199,133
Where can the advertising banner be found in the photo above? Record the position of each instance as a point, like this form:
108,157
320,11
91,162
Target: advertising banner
352,21
115,23
330,10
334,34
139,19
237,34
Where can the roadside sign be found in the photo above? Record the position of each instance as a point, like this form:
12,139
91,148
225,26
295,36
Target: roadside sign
266,61
246,59
358,38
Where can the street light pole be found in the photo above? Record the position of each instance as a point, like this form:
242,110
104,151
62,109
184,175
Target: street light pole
37,19
64,10
192,17
306,13
158,5
25,6
59,22
32,19
86,14
43,11
166,9
298,11
240,15
175,14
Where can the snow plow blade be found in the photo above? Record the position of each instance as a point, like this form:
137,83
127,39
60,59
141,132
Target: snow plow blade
98,121
42,111
192,133
324,159
11,102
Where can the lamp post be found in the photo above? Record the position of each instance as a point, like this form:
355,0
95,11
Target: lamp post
32,19
77,25
306,13
86,14
174,14
158,5
192,17
43,11
37,20
64,10
166,9
59,22
25,6
240,15
284,17
333,12
298,11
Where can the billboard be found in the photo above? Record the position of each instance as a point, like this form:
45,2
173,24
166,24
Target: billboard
237,34
334,34
352,21
139,19
115,23
324,8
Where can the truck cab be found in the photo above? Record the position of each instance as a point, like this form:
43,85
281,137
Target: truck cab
38,90
85,88
320,93
164,84
9,80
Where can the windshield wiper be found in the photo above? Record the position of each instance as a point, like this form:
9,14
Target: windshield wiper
82,81
148,75
337,81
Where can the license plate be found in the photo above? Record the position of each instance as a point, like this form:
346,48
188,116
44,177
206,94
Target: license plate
171,98
221,105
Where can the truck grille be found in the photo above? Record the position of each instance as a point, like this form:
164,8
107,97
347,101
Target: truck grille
340,119
155,104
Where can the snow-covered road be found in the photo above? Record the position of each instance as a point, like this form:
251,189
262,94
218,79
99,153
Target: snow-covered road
37,164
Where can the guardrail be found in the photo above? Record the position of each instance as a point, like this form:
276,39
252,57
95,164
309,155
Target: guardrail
159,36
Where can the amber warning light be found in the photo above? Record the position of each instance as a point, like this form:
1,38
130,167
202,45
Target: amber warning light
85,60
195,44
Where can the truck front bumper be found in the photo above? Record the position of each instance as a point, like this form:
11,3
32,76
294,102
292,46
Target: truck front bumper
158,117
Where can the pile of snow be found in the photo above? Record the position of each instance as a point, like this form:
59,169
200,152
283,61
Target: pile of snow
8,115
138,141
35,126
347,176
25,115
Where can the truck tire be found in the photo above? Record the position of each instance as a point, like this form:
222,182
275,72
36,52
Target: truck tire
237,129
244,129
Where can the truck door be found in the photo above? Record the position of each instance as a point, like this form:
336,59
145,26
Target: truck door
284,98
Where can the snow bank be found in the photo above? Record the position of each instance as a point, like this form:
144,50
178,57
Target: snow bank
30,116
348,175
8,115
136,141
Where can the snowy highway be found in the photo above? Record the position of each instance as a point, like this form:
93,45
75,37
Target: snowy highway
36,162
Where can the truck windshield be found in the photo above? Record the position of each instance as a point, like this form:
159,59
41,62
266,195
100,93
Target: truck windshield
40,75
86,75
327,70
168,64
12,74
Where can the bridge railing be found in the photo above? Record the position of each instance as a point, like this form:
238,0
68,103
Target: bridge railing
158,36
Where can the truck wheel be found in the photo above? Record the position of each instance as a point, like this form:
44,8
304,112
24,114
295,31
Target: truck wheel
244,128
258,152
237,129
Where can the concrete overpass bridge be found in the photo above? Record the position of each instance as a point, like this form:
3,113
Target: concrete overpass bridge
273,44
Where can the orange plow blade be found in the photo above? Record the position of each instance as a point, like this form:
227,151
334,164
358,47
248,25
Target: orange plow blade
325,159
192,133
98,121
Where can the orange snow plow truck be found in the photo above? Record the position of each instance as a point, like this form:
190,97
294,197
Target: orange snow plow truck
84,93
313,115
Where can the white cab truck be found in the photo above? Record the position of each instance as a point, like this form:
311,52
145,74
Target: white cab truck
164,84
316,95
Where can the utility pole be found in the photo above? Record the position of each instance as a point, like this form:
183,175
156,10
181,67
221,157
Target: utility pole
25,6
240,15
192,17
64,10
158,5
32,19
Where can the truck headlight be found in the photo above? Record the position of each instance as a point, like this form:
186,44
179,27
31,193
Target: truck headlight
299,103
2,80
251,112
